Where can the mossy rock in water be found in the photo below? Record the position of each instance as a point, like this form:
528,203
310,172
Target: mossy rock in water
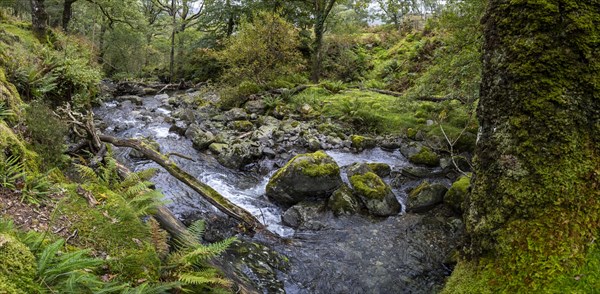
362,143
311,175
17,269
425,196
381,169
425,156
343,201
457,193
376,195
201,139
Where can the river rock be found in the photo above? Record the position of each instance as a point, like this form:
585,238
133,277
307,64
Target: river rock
201,139
304,216
217,148
456,195
376,195
312,175
238,155
361,143
185,114
425,196
235,114
343,201
242,125
426,157
255,106
137,100
264,133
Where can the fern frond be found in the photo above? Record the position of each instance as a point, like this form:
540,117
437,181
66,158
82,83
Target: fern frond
137,189
44,261
203,277
191,238
146,174
147,288
146,202
205,252
87,173
109,170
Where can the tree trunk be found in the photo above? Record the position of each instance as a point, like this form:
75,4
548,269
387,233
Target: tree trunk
173,33
39,18
533,210
67,14
208,193
317,48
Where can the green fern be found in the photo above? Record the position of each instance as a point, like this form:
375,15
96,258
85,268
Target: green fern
11,171
146,202
188,263
88,174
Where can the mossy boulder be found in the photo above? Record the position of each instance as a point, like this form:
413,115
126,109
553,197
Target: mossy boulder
17,269
426,157
343,201
201,139
311,175
362,143
381,169
375,194
425,196
457,193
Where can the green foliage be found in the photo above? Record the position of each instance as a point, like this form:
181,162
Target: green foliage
262,50
62,71
333,86
236,96
18,264
200,65
11,171
344,59
189,261
47,133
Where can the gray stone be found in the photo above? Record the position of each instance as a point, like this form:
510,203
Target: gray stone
201,139
425,196
375,194
343,202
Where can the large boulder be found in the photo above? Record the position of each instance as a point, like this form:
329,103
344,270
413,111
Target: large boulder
425,196
306,176
376,195
361,143
201,139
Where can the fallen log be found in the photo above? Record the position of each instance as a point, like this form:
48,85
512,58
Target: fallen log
421,98
208,193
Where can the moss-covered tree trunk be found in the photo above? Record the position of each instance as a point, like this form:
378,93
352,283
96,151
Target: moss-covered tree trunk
39,18
533,209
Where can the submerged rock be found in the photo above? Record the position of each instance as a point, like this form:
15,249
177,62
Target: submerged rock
425,196
306,176
304,216
375,194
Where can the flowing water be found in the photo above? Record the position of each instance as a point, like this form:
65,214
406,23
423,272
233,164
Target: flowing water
346,255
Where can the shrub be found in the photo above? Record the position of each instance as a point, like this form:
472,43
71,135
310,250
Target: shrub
262,50
47,134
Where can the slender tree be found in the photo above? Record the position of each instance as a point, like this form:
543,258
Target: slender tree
321,10
533,210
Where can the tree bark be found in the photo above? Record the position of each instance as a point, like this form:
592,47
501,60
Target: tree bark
537,161
208,193
39,18
67,14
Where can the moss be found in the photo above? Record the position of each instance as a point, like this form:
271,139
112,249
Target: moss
361,142
116,230
318,164
411,133
369,185
13,145
9,96
18,264
426,157
457,193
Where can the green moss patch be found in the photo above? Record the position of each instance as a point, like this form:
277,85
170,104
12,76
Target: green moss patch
17,268
369,185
